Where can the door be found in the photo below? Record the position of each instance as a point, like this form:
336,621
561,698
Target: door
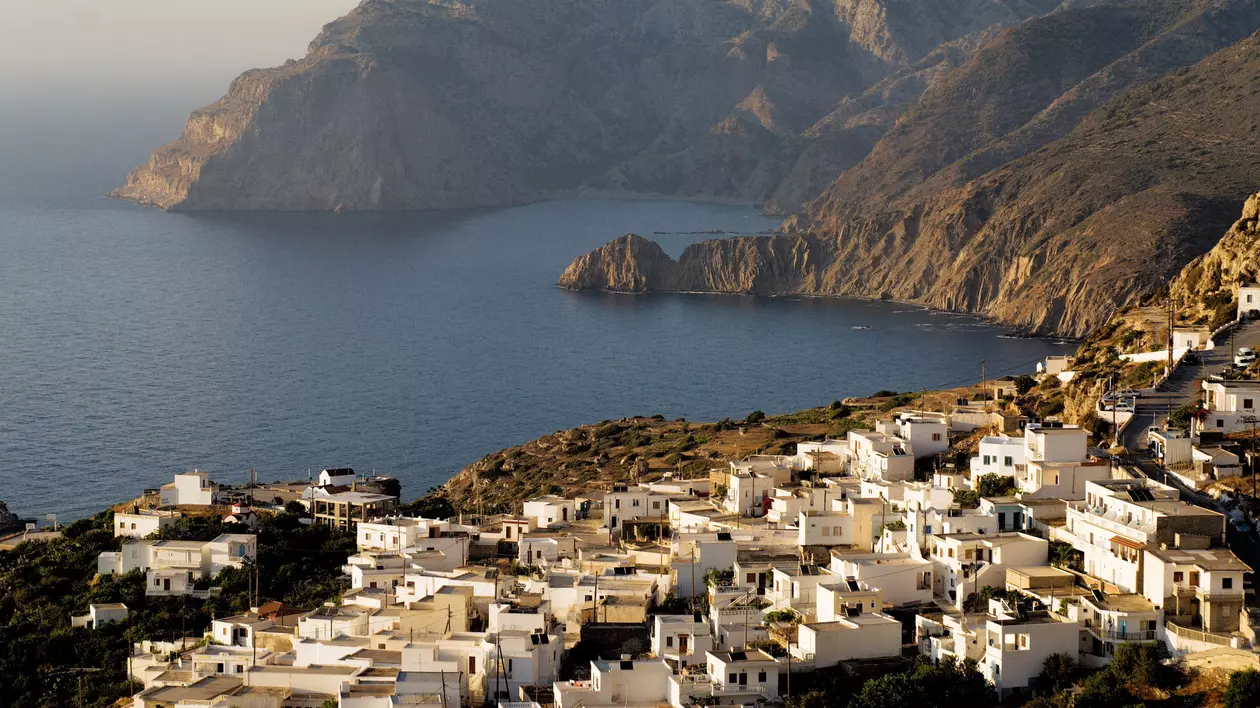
472,666
682,645
743,678
564,514
166,584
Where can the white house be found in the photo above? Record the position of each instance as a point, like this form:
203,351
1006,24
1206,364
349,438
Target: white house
230,550
1248,299
1016,647
926,433
1054,365
743,676
625,503
1191,338
99,614
189,489
1120,519
1000,455
967,562
879,455
1231,406
903,579
550,510
336,477
142,523
861,635
825,457
681,639
617,683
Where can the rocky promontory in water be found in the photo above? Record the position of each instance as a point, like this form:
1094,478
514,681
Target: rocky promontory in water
9,522
1037,162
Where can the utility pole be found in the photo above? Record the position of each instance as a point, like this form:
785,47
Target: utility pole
984,386
789,672
1170,332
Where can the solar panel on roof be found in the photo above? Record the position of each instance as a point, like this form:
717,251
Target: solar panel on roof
723,536
627,665
738,656
1141,494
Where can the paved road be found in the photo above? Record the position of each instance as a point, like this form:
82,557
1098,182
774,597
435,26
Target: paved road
1182,387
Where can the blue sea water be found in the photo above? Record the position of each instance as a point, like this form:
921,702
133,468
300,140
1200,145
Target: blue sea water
135,343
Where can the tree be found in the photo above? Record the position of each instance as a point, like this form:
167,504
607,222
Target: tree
966,498
1103,690
1059,672
1139,664
1024,383
755,417
295,507
994,485
1243,690
949,684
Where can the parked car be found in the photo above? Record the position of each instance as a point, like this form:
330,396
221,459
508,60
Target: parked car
1129,393
1244,357
1190,358
1125,405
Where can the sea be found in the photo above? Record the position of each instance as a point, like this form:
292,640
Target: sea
135,344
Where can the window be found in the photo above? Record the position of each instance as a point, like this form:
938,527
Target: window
669,641
616,503
733,679
240,669
1008,461
752,578
1220,423
635,503
1178,576
1227,583
936,437
761,676
1246,403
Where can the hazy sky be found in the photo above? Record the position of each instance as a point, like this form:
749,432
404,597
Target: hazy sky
54,49
89,87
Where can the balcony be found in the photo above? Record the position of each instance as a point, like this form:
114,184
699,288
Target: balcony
1205,594
730,689
1107,635
1196,635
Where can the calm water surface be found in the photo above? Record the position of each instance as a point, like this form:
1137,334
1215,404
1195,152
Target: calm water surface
135,344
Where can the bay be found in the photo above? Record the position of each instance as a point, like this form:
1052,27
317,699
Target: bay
137,343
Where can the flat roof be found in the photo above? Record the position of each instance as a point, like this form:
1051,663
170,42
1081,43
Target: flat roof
1120,602
1207,559
204,690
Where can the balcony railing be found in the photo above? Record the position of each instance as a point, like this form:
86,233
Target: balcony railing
758,689
1198,635
1146,635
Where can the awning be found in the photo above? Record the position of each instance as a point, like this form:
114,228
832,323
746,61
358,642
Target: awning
1123,541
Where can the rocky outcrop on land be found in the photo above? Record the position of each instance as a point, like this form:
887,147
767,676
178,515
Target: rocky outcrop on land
1204,291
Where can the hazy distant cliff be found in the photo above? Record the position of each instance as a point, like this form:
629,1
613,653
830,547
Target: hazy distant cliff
407,104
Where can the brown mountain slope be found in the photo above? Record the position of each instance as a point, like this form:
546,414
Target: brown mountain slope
1060,235
407,104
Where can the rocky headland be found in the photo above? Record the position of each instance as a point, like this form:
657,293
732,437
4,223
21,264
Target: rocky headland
1038,162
